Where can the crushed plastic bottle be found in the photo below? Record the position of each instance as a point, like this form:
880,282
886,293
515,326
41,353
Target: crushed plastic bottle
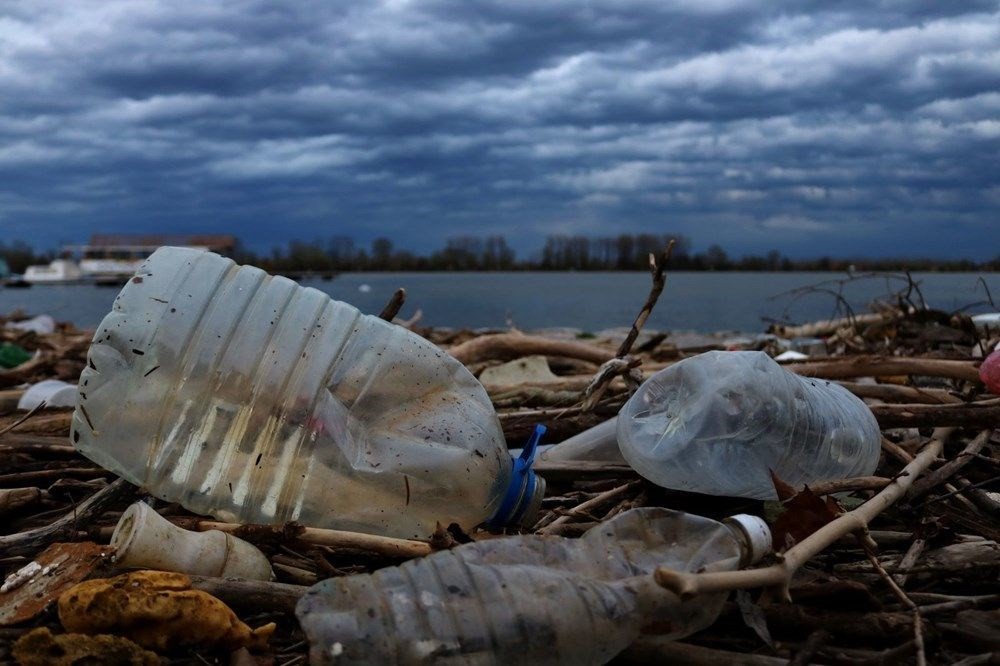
716,423
530,599
250,398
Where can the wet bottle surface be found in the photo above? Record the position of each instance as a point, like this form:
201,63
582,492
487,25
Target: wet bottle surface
716,423
529,599
250,398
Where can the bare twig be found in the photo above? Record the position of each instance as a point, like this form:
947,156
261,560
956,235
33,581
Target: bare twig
918,634
950,468
389,546
594,502
593,393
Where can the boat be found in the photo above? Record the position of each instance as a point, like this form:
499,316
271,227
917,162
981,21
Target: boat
60,271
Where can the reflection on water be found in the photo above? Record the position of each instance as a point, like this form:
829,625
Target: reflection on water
588,301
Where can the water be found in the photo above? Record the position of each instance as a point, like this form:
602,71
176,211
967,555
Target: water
588,301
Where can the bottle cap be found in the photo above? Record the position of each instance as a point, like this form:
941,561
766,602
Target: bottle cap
756,533
526,489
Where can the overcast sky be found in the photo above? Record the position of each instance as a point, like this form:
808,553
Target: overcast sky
846,128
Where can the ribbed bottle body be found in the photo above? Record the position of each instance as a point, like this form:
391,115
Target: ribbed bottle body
253,399
528,599
716,423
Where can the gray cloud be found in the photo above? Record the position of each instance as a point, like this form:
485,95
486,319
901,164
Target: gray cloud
861,128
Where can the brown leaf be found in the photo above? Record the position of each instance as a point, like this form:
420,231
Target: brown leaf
805,512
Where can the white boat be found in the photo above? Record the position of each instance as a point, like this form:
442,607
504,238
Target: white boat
60,271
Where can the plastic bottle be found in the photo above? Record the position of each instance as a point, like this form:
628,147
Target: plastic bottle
529,599
250,398
143,539
716,423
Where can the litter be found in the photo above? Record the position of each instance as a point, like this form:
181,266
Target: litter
40,647
158,611
720,422
527,370
53,392
265,402
143,539
43,324
989,372
530,599
12,355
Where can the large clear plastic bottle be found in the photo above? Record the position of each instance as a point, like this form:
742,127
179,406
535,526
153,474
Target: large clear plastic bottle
530,599
250,398
716,423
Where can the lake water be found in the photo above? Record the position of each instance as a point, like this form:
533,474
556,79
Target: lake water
588,301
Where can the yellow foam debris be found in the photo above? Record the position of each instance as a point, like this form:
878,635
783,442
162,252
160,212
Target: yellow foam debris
157,610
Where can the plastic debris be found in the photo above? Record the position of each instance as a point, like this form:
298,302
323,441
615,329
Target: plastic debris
529,599
157,610
43,324
791,355
53,392
527,370
12,355
143,539
260,401
989,372
40,647
720,422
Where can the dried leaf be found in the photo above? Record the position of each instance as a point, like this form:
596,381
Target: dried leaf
157,610
805,512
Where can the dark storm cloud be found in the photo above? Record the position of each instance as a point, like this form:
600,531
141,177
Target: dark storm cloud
867,128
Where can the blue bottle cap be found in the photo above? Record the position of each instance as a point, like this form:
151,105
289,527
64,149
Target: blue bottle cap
525,490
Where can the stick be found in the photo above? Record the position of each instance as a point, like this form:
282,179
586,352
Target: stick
967,415
594,392
845,485
826,326
506,346
394,305
251,594
389,546
896,393
950,468
26,543
918,634
687,584
592,503
875,366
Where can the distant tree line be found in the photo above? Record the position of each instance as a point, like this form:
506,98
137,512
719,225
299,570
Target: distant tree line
565,252
559,253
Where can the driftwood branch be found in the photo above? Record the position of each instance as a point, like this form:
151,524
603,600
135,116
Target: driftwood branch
826,326
875,366
506,346
251,595
67,527
967,415
687,584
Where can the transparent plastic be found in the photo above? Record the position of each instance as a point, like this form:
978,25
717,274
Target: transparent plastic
716,423
250,398
525,600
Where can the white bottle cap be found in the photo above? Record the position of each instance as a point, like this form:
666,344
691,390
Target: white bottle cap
757,533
